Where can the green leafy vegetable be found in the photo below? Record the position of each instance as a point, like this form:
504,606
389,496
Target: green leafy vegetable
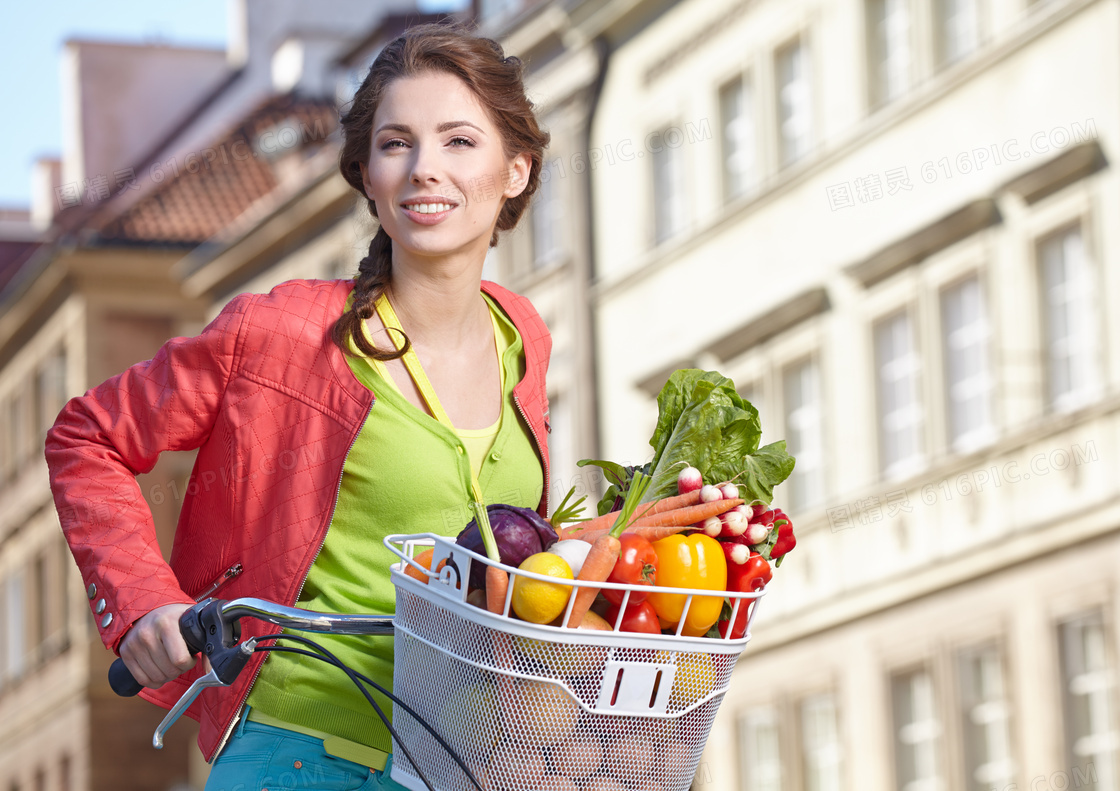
703,422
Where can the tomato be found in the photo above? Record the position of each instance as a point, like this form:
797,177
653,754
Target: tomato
636,565
637,618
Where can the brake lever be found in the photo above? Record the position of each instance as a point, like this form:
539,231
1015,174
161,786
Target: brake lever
206,631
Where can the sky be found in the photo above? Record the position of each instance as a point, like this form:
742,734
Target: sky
30,56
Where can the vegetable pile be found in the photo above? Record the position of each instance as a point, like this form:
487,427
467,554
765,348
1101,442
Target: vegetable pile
698,516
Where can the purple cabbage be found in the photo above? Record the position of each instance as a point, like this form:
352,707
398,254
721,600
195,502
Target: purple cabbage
519,533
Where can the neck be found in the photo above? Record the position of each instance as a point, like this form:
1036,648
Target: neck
438,304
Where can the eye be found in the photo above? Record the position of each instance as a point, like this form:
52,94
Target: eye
469,142
389,144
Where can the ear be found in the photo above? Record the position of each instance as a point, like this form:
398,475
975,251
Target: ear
365,180
517,175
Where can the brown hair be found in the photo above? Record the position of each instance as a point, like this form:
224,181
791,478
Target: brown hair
495,80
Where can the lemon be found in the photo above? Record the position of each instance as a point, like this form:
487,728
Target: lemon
537,601
695,678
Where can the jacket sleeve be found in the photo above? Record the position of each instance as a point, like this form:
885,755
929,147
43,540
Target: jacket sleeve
102,440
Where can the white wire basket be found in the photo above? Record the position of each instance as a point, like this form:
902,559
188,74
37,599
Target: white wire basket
543,707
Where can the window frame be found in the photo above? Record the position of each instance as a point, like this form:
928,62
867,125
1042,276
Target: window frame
939,738
987,434
745,83
803,41
812,359
677,231
1091,389
920,459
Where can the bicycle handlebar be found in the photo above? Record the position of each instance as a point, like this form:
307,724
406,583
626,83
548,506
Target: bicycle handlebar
208,619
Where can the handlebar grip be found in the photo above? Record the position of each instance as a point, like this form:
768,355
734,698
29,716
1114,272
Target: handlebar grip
122,681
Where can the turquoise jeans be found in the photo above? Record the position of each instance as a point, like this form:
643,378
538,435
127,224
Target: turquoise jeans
262,756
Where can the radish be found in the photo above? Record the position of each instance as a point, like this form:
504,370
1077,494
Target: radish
737,554
734,523
729,491
712,526
709,494
756,533
689,480
764,517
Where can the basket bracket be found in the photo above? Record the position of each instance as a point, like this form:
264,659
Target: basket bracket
635,687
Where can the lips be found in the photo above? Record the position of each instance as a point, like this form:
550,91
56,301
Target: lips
428,216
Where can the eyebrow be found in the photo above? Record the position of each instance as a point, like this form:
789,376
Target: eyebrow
445,126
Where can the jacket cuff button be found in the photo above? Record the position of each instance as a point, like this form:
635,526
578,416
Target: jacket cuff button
108,619
91,591
100,607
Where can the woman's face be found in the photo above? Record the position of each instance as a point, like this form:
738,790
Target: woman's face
433,140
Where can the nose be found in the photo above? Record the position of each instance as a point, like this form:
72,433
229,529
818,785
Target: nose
423,164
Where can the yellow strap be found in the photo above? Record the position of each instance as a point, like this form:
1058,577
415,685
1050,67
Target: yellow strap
332,745
427,392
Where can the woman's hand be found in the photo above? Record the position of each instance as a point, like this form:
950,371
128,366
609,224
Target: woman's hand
154,650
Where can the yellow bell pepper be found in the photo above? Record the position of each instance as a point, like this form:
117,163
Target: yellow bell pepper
694,561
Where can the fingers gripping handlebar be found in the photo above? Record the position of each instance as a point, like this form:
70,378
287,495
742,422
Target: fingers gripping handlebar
206,631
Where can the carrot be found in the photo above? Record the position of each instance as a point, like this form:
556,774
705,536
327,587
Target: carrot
597,567
644,510
688,516
658,524
497,583
605,551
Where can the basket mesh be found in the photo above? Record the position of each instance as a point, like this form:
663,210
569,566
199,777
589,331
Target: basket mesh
511,707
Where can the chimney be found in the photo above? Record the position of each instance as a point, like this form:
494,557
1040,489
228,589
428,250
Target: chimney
47,196
303,63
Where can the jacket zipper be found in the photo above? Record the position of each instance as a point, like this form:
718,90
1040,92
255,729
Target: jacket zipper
260,667
233,571
544,453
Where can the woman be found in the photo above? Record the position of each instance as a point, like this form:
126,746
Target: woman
328,414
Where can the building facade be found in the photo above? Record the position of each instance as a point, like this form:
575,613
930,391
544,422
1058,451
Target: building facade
889,222
122,251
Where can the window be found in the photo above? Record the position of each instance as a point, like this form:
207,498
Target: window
986,714
1068,317
900,410
15,627
761,761
20,423
496,9
547,219
957,29
668,184
1089,689
51,389
820,738
888,36
740,162
804,436
39,605
794,101
561,449
917,730
65,783
968,377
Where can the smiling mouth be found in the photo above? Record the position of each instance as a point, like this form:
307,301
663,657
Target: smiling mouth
428,208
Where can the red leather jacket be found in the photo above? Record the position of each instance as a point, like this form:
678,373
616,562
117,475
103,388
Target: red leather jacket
272,407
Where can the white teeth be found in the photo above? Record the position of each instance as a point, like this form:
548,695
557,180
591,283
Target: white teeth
429,208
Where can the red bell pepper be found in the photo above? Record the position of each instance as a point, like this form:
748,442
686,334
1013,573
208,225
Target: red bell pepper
786,540
743,577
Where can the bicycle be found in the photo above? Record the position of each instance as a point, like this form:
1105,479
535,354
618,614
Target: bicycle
661,691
